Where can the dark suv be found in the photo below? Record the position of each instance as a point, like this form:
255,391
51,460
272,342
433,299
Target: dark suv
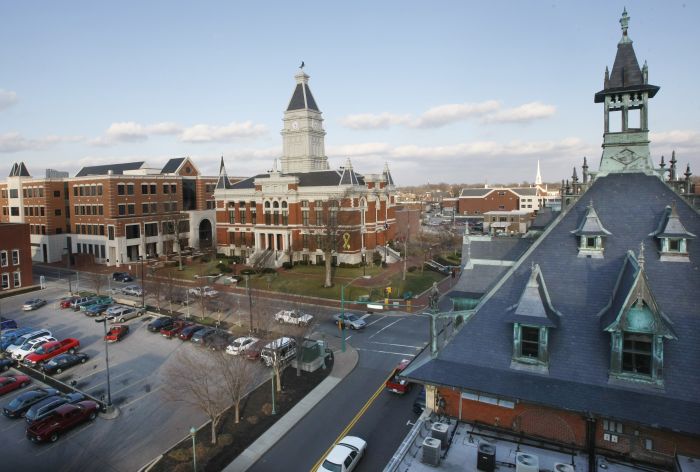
22,403
159,323
122,277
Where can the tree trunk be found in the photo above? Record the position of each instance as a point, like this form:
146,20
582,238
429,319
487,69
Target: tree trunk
214,423
329,280
238,411
278,372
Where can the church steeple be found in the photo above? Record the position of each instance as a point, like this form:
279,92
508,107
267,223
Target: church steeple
223,182
303,137
538,177
625,96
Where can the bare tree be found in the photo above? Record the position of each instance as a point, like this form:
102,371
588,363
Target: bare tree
194,379
154,287
330,237
239,376
175,228
170,288
95,281
424,245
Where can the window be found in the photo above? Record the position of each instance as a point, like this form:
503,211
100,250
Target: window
102,251
636,353
110,233
241,215
151,229
166,188
102,230
612,426
120,189
14,193
122,209
319,217
79,248
99,189
305,204
81,191
41,211
133,231
3,258
530,341
129,189
144,189
232,216
305,217
144,208
173,188
15,257
305,241
153,189
57,212
4,193
100,209
14,211
75,191
530,344
674,245
5,281
93,190
131,208
17,279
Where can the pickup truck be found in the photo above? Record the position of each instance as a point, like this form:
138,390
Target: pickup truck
51,349
293,317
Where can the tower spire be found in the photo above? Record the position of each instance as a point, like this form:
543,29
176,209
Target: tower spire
223,182
624,24
538,177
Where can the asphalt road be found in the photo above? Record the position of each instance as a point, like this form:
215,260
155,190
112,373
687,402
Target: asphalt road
382,345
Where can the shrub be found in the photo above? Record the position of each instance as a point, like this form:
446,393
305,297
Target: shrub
287,265
269,270
412,269
376,258
205,259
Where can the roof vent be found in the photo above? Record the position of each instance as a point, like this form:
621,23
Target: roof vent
527,463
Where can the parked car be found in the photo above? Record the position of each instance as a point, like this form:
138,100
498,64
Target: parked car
6,364
200,336
66,302
63,361
189,331
11,383
349,320
159,323
30,346
280,350
218,340
122,313
396,383
97,301
52,349
122,277
205,291
83,301
253,351
7,323
46,406
97,309
19,406
116,333
345,455
239,345
133,290
61,420
294,317
8,337
19,341
174,329
33,304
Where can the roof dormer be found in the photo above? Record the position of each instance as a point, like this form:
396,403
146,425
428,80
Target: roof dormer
672,236
591,234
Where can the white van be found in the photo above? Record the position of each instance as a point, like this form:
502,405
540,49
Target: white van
280,350
23,339
30,346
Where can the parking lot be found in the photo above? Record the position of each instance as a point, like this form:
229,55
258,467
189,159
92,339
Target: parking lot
147,424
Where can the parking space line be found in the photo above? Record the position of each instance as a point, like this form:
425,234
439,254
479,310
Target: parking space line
378,319
403,354
418,348
385,327
14,423
75,431
111,379
130,385
122,407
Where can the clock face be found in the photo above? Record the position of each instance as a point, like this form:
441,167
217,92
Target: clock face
295,125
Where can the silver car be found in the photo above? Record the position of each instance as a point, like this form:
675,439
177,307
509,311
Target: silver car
33,304
350,320
120,314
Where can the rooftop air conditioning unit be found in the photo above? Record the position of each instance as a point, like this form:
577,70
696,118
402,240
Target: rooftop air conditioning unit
439,432
486,457
431,452
525,462
561,467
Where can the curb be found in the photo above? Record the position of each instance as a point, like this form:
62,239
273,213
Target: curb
264,443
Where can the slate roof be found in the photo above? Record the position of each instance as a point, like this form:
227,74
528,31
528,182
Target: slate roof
19,170
479,356
544,217
534,307
298,102
475,282
474,192
321,178
591,224
116,169
671,226
172,165
525,191
498,249
223,182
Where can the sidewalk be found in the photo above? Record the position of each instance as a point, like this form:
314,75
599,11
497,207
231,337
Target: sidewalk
343,364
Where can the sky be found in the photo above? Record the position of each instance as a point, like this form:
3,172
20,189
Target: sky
443,91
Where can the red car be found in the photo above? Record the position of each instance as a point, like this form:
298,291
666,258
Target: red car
61,420
397,384
175,329
10,383
52,349
66,302
116,333
252,352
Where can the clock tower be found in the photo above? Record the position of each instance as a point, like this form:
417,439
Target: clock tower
303,147
625,97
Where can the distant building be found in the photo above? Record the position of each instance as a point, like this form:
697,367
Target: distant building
507,222
590,340
15,256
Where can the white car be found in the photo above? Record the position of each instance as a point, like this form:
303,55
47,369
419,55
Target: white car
345,455
294,317
206,291
30,346
239,345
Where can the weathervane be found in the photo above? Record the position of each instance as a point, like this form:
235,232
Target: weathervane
302,65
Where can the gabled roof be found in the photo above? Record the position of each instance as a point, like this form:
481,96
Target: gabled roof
348,176
19,170
104,169
526,191
172,165
479,356
590,224
475,192
534,307
223,182
670,225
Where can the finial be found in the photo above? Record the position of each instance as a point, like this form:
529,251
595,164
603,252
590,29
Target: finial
574,176
645,72
606,80
687,172
673,158
624,22
640,258
662,164
585,163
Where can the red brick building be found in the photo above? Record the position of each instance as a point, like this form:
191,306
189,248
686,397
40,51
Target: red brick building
15,256
283,214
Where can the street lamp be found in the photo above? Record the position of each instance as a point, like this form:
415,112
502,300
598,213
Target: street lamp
109,389
250,301
342,309
143,285
193,433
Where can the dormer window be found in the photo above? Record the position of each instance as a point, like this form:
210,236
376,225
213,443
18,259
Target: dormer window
591,235
530,344
672,236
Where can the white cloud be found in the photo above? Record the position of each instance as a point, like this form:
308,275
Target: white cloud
374,121
676,137
132,132
361,149
489,111
164,128
526,112
15,142
208,133
7,99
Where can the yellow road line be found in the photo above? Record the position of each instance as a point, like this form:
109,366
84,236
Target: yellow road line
352,423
